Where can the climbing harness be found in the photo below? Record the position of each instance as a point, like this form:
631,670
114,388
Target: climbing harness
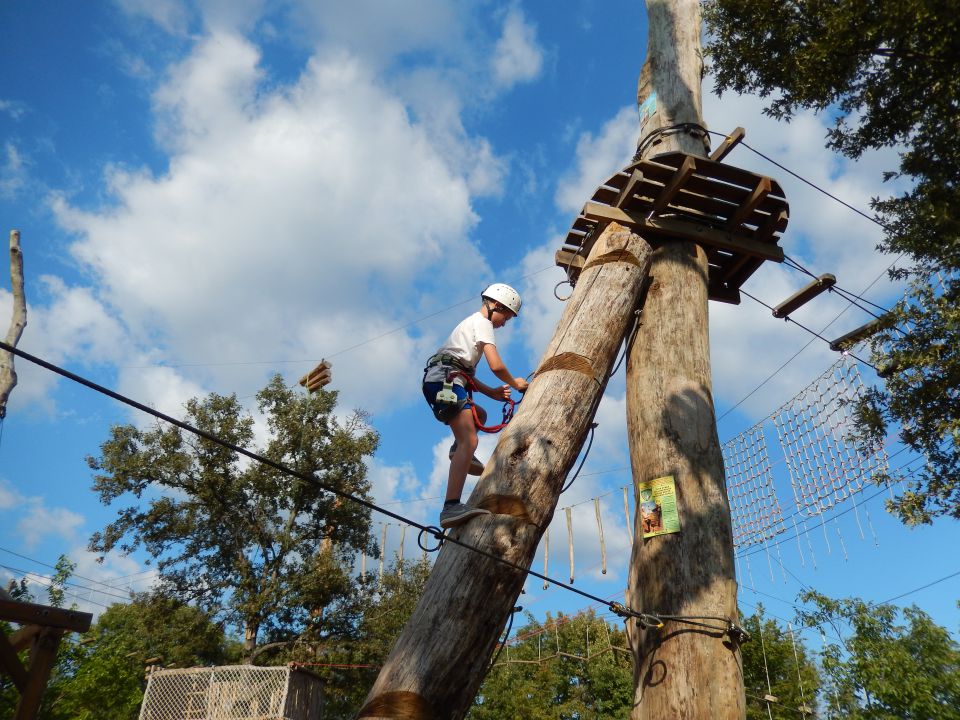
447,398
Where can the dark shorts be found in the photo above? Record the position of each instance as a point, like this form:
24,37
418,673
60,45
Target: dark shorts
445,412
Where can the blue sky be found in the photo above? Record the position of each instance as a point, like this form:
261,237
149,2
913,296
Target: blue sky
212,193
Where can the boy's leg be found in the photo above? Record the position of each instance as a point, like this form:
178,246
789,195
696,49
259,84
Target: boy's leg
465,437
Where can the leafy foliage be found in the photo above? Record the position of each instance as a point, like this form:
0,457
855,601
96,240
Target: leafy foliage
547,673
888,71
885,670
246,542
793,675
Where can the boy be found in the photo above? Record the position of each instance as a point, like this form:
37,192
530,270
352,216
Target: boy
469,341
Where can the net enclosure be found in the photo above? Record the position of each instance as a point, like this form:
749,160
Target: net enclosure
236,692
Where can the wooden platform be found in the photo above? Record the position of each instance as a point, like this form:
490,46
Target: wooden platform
737,216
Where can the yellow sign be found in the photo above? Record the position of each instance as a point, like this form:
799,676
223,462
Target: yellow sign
658,507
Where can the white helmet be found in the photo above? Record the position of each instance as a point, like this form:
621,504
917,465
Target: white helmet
503,294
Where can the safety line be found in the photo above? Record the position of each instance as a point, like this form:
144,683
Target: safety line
615,607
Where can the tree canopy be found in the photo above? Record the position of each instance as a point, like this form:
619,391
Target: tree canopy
885,670
888,72
247,543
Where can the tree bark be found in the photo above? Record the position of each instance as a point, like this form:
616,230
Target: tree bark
8,376
441,657
681,670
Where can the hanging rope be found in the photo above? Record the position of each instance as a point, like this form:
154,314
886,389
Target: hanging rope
546,556
766,672
570,539
796,659
603,545
383,543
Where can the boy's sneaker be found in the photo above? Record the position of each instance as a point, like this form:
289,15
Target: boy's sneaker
476,467
453,515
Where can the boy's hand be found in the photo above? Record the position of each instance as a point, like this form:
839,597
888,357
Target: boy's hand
521,384
502,393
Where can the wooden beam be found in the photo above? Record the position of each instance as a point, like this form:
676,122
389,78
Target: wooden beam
42,656
728,144
24,636
30,614
687,230
760,192
10,664
805,295
679,179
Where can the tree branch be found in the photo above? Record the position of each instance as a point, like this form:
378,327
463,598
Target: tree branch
8,376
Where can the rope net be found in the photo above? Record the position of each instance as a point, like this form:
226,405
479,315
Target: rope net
239,692
826,466
754,508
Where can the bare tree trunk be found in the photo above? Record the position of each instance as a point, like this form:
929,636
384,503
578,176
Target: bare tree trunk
8,376
681,670
441,657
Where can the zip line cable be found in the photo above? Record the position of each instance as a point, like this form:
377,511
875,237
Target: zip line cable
808,182
646,619
804,327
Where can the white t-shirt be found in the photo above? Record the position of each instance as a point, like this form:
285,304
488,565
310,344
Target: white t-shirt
465,343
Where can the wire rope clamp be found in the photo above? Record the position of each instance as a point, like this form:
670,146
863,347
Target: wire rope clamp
734,636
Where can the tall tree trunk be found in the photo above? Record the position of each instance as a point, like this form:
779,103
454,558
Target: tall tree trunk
681,670
8,376
441,657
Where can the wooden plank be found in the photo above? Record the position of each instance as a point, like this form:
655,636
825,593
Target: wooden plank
686,230
11,665
728,144
683,173
565,258
636,177
30,614
746,208
731,296
776,222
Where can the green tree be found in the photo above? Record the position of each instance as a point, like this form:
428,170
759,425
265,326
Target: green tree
101,676
888,71
885,670
794,678
568,667
247,543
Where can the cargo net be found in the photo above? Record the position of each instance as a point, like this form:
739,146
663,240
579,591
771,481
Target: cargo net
241,692
754,507
826,466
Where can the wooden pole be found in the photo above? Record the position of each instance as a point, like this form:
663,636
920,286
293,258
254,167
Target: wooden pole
8,376
441,657
681,670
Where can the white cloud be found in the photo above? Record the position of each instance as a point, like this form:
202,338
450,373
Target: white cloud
9,497
292,223
66,322
14,108
12,171
381,32
517,56
171,15
37,521
597,158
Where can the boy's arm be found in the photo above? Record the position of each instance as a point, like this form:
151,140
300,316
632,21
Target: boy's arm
498,368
